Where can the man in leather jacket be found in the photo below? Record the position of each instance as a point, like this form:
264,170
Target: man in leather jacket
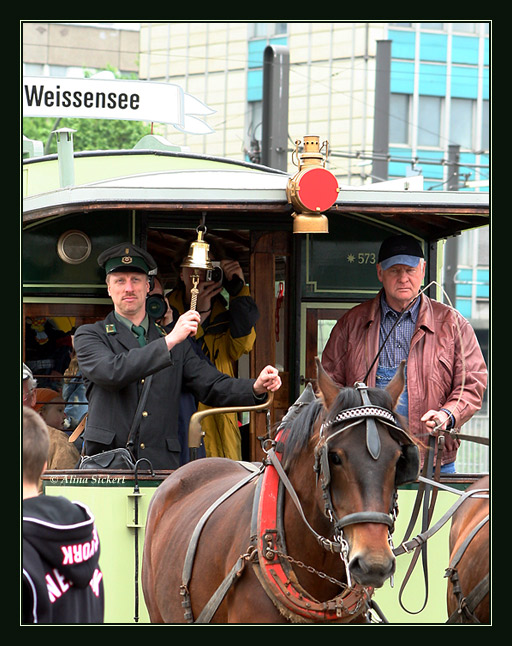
446,374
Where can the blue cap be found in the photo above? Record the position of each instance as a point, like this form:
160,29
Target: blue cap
399,250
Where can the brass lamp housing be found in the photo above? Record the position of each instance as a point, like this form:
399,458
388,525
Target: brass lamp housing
312,189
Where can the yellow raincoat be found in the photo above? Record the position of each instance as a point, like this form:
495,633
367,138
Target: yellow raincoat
224,337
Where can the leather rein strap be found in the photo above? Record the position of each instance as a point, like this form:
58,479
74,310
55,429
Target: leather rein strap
211,607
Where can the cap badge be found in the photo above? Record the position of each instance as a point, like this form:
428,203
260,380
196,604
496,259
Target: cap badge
126,260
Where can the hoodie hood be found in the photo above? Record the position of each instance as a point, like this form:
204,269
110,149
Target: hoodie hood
64,535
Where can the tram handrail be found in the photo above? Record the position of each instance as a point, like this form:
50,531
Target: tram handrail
195,433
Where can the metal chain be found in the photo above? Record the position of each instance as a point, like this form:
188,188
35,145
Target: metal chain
310,569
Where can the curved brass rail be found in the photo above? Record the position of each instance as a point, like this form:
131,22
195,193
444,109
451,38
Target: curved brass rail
194,428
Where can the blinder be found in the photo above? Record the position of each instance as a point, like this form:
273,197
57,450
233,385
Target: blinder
408,465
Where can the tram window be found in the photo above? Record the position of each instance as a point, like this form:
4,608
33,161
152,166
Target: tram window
47,331
319,323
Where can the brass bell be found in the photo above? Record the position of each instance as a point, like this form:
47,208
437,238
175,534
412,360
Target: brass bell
197,257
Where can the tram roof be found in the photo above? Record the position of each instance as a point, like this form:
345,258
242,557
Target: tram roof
157,180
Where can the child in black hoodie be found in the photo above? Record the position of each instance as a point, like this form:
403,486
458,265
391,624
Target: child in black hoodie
62,580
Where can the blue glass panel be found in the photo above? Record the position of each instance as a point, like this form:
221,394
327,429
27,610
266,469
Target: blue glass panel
433,47
464,307
464,82
432,79
402,44
465,50
402,77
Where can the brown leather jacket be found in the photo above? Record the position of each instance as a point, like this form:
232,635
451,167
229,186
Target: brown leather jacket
438,369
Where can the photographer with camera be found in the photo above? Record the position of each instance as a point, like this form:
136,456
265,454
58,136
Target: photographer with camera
225,334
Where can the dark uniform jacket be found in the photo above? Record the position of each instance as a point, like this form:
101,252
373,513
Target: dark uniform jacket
62,580
114,366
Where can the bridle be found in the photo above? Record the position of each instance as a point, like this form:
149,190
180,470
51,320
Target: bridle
367,413
267,551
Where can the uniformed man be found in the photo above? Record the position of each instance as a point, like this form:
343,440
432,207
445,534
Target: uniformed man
116,354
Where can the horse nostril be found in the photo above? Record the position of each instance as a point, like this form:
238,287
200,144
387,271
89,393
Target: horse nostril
368,572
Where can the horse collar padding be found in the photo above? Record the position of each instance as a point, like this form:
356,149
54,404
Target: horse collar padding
276,574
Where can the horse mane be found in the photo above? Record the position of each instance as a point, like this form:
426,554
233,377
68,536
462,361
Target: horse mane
301,428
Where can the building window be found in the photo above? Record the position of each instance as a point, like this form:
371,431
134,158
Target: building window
429,120
466,27
267,29
485,126
438,26
461,122
399,118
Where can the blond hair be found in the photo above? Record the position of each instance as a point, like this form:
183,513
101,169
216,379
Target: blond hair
36,444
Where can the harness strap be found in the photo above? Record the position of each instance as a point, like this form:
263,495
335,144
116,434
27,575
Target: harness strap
418,540
365,517
272,569
211,607
469,603
327,544
424,491
192,547
372,434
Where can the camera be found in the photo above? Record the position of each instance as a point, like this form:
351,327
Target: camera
216,274
156,306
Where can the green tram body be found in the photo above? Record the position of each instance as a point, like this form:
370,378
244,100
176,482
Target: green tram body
116,504
121,195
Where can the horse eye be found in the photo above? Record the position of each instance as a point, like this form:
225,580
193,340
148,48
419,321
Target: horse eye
334,458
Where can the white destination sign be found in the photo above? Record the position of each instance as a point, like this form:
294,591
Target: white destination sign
114,99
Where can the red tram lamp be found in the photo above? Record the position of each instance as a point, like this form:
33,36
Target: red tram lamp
313,189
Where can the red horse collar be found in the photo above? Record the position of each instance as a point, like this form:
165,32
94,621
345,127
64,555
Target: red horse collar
277,576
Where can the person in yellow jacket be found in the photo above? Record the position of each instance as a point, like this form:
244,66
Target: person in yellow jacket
224,335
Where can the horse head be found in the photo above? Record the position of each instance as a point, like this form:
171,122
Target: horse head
361,456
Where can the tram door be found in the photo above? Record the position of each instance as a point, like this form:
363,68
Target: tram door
270,273
338,271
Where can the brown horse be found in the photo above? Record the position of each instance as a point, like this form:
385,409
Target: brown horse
468,573
265,544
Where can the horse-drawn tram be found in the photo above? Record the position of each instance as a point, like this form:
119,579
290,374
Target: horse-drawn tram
248,546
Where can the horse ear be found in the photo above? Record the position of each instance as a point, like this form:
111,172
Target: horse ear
328,389
396,385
